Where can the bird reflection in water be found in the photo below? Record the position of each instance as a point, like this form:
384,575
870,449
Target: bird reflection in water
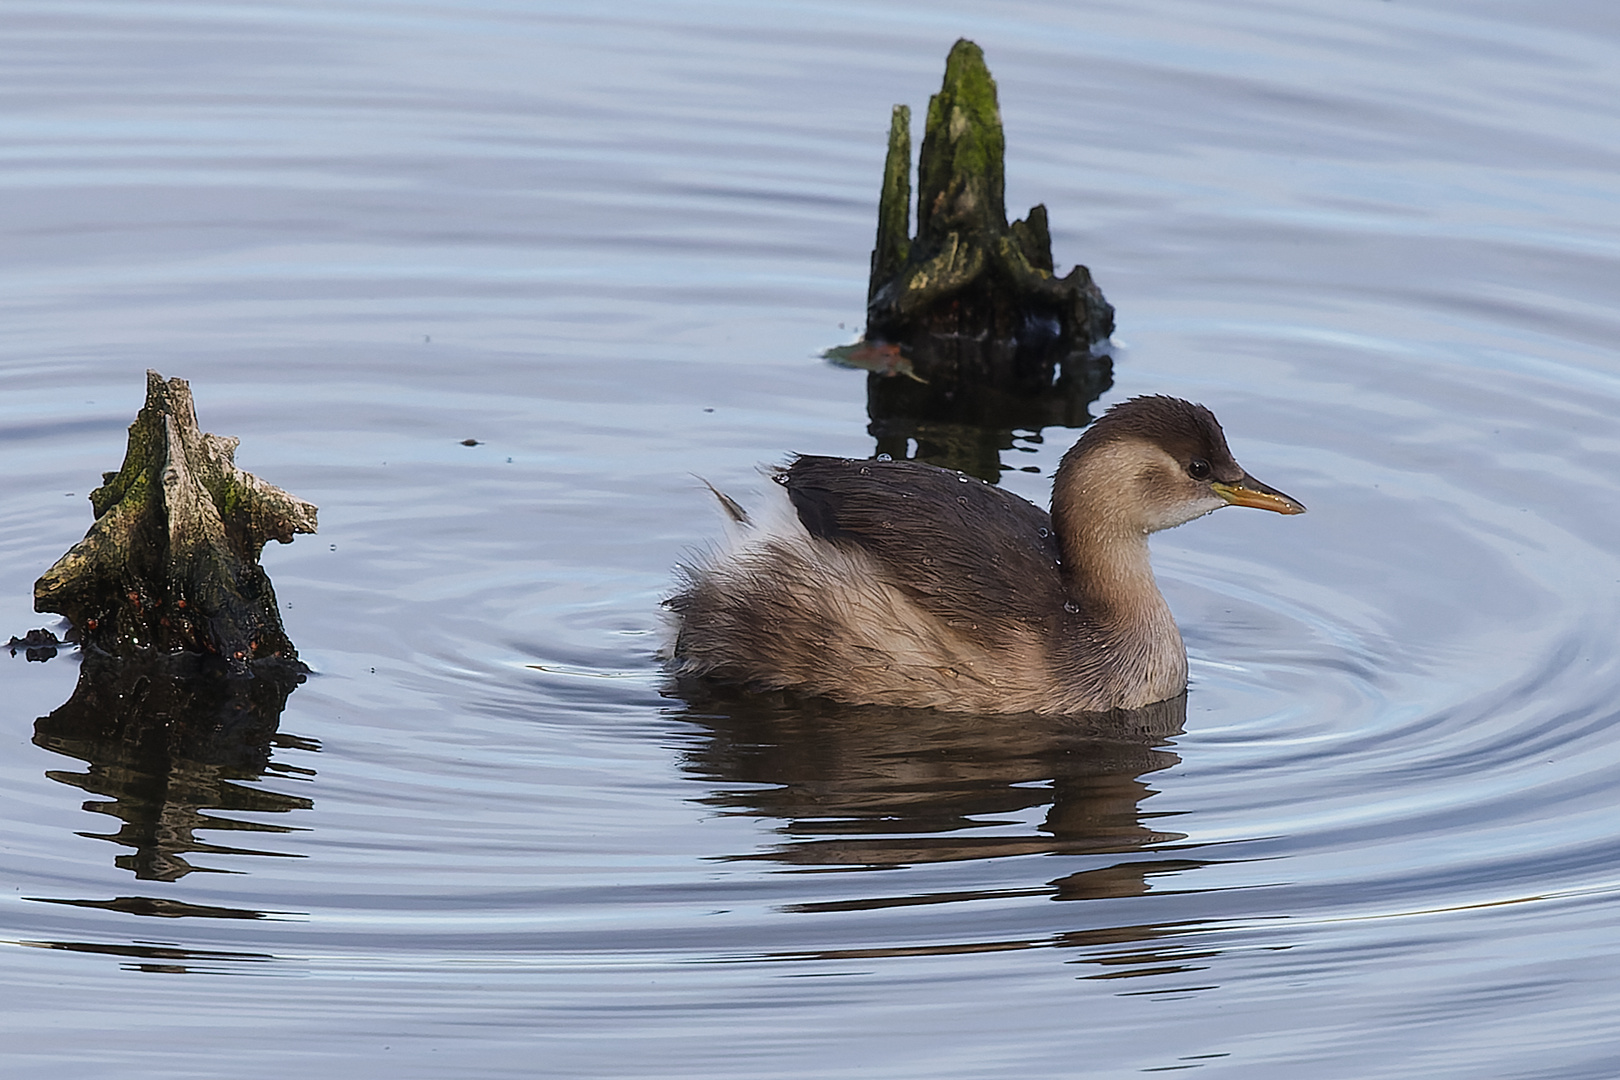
890,787
866,786
174,747
869,788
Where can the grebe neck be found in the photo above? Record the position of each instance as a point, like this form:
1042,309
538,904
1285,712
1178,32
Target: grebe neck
1104,541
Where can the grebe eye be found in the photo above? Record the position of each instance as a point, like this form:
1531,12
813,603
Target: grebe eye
1198,469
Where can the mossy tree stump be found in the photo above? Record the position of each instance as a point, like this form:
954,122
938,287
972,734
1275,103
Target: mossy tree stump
172,561
972,300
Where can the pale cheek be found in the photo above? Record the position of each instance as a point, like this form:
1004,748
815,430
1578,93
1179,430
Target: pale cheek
1183,512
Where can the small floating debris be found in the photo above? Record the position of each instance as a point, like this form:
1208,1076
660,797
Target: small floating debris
878,357
582,673
37,645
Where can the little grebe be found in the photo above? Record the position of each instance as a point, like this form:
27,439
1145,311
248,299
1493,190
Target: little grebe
898,583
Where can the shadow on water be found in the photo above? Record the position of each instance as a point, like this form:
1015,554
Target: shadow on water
173,746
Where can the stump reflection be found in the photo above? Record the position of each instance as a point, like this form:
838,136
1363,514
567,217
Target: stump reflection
173,744
971,428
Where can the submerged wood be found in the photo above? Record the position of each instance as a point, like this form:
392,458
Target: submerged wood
172,561
972,300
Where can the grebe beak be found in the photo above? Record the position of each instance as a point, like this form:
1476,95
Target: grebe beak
1251,492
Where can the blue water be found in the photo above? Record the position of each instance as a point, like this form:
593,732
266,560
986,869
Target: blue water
1381,240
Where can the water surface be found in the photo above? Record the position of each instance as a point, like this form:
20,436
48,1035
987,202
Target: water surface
1380,239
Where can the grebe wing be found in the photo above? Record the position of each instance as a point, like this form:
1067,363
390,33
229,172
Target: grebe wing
963,549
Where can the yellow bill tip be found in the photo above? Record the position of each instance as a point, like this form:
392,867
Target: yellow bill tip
1251,492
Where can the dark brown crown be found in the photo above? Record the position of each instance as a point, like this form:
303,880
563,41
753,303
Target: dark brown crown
1183,430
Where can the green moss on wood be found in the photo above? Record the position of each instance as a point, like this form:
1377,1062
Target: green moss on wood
960,178
894,204
1034,238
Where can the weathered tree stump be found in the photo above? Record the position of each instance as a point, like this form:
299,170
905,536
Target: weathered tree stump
172,561
971,300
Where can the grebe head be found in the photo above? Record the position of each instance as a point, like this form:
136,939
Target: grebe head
1152,463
